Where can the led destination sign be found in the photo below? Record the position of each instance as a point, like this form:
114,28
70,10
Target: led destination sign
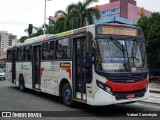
117,30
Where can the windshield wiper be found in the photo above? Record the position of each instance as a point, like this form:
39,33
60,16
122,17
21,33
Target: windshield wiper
133,57
122,48
117,43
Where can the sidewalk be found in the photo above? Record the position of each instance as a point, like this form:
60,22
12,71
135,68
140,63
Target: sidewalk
154,95
154,87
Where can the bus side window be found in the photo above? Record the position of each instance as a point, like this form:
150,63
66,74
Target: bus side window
22,54
48,51
18,54
45,51
51,51
63,48
58,49
27,54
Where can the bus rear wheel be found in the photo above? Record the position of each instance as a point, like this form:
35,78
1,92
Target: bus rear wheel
21,84
67,95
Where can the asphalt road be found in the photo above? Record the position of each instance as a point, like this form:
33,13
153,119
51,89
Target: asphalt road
11,99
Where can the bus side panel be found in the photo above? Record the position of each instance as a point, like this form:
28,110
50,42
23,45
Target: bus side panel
64,71
19,71
48,81
52,74
91,88
9,71
27,74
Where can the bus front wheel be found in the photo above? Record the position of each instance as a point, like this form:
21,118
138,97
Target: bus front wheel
21,83
67,95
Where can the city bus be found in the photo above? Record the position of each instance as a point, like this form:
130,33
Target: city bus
100,64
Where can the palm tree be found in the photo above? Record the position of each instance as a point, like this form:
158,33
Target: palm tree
76,15
81,13
60,24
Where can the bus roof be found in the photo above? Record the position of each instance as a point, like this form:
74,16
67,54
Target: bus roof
49,37
118,24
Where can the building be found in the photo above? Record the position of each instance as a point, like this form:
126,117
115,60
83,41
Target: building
122,11
6,40
3,40
11,38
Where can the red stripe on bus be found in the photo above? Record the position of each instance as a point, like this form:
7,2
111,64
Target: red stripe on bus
128,87
41,71
69,72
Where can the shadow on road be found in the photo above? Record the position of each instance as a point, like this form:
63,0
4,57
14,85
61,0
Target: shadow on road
40,94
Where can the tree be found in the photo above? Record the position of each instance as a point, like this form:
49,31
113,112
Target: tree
60,25
39,31
151,29
23,38
82,14
76,15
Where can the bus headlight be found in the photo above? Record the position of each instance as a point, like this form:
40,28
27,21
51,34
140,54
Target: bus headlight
104,87
108,89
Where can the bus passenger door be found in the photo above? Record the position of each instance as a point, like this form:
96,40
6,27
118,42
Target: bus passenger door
13,65
36,60
79,68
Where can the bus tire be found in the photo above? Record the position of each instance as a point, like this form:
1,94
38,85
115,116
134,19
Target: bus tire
67,95
21,84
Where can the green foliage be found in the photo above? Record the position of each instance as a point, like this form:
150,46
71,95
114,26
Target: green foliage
76,15
39,31
23,38
151,29
60,25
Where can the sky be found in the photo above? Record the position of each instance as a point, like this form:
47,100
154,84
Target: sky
15,15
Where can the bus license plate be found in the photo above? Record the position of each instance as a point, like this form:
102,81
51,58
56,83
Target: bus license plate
129,96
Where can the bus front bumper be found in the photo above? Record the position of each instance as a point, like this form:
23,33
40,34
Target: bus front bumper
104,98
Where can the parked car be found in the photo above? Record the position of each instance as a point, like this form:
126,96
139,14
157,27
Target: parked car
2,74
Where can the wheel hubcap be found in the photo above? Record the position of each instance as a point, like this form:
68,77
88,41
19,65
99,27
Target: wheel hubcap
67,95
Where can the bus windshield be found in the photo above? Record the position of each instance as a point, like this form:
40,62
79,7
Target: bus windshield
121,55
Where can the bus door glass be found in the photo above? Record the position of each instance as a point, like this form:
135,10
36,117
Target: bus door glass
13,65
80,67
36,66
9,66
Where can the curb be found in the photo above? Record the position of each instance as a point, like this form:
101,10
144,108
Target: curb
154,91
149,102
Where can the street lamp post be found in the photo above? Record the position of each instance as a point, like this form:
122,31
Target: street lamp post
44,26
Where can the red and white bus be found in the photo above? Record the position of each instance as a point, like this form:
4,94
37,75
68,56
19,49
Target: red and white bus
98,65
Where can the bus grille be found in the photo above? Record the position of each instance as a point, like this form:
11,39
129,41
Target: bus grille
120,96
126,78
